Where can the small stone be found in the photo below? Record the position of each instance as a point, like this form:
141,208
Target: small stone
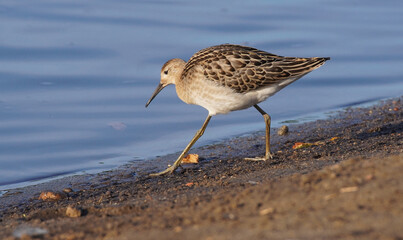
51,196
67,190
266,211
253,182
191,158
73,212
283,130
189,184
349,189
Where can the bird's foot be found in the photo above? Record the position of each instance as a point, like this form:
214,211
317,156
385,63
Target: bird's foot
269,156
169,170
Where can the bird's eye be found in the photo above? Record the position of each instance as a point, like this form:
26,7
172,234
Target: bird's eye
166,72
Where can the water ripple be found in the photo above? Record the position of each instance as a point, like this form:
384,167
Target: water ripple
9,53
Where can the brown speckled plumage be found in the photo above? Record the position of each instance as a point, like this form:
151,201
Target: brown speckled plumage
228,78
244,68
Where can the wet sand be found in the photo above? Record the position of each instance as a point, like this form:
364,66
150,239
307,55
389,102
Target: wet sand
346,185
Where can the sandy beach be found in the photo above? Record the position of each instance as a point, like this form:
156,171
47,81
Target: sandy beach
345,182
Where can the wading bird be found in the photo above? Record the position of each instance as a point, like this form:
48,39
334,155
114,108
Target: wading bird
227,78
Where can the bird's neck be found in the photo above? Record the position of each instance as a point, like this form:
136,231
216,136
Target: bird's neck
182,91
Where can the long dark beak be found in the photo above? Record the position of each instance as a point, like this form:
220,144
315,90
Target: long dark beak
157,90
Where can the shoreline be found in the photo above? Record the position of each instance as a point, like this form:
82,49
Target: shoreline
253,129
83,174
366,134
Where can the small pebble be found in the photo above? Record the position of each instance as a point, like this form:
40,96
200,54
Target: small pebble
73,212
283,130
349,189
266,211
253,182
67,190
51,196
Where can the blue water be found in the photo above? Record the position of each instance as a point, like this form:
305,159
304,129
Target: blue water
75,75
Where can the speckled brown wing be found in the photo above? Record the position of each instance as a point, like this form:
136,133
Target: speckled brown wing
244,68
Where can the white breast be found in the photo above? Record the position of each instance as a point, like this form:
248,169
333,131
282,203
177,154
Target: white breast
218,99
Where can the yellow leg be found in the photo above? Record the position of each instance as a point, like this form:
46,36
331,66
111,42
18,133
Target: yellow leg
177,163
267,121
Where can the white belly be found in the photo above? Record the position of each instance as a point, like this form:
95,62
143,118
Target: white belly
221,100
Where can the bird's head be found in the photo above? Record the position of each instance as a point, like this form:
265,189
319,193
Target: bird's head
170,72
